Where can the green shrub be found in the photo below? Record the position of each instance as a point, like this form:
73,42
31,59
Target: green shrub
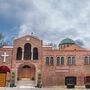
39,84
12,84
13,75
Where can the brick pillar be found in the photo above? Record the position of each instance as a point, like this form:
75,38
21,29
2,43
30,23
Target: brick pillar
32,53
23,54
80,80
36,75
8,79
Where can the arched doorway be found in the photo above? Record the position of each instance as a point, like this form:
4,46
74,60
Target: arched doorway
4,76
26,72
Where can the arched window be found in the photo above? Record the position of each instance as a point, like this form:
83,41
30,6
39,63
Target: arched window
27,51
19,53
35,53
62,60
58,60
87,60
47,60
71,60
51,60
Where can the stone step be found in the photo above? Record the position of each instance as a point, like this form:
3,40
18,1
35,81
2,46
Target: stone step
26,86
26,83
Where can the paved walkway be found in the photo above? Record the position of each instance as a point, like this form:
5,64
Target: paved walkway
50,88
30,85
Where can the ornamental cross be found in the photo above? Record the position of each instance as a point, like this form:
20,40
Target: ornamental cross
5,55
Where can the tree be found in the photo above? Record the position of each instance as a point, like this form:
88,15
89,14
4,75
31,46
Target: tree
2,42
12,84
1,37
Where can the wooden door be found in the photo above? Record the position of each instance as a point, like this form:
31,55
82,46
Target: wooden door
26,73
2,79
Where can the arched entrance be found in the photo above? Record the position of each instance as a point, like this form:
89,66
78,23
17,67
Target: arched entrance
26,72
4,75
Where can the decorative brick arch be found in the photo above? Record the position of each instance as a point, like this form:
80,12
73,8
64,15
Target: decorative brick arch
31,65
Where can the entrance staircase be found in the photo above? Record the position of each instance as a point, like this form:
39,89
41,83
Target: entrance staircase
26,84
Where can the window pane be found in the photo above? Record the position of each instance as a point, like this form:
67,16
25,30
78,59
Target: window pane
58,60
62,60
35,53
86,60
69,60
47,60
73,60
51,60
27,51
19,53
89,60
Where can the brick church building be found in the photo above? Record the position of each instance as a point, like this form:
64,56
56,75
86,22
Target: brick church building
28,57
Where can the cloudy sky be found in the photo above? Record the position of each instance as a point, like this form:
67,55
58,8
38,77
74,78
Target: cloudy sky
50,20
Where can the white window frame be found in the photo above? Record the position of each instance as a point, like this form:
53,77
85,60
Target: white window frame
70,62
49,60
60,60
88,60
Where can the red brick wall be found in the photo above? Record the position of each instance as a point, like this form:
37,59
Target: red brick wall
51,75
55,75
9,60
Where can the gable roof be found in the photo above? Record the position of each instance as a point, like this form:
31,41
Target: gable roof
26,36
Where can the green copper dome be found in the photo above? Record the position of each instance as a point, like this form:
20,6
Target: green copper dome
67,41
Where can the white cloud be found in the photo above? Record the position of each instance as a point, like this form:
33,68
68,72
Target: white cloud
52,20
